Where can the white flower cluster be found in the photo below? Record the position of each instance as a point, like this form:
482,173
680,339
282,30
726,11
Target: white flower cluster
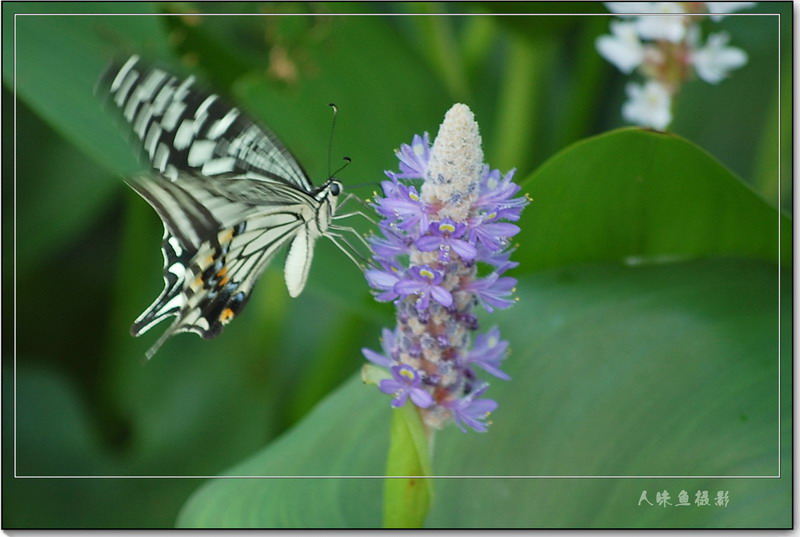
662,41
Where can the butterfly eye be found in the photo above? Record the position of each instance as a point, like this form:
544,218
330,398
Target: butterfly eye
336,189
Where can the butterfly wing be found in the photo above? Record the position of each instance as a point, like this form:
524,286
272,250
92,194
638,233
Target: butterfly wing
298,261
219,236
181,128
229,195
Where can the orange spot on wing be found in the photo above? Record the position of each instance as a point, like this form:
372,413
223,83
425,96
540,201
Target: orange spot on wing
222,273
226,316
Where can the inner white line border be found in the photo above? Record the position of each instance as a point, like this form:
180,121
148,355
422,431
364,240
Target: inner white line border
14,384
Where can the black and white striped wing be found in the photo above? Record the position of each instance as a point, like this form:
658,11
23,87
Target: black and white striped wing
228,192
184,129
219,236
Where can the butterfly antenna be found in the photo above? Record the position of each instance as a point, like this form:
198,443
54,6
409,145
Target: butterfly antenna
335,111
347,161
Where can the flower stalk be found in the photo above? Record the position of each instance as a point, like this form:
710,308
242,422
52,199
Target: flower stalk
443,249
407,494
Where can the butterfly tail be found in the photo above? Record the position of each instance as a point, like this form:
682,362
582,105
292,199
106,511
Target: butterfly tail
163,338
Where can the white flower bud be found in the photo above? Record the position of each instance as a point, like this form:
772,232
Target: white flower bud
455,166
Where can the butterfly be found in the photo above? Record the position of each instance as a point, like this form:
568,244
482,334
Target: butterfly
229,194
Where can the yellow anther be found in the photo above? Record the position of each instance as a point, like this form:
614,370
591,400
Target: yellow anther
447,228
426,274
406,373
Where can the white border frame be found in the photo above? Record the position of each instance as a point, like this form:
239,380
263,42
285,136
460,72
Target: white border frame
17,476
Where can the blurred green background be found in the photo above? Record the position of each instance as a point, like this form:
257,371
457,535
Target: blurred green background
85,261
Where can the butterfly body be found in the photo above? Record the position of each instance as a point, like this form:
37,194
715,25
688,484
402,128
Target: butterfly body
229,194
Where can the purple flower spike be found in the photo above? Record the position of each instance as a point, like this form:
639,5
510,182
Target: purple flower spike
406,384
445,236
426,254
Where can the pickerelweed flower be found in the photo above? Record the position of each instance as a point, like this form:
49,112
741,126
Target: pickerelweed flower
443,249
662,41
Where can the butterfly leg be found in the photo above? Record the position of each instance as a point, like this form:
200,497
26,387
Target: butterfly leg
349,197
349,250
349,229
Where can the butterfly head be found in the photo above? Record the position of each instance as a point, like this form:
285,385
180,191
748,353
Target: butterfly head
328,192
327,196
331,187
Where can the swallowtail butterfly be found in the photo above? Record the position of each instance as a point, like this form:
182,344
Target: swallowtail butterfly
229,193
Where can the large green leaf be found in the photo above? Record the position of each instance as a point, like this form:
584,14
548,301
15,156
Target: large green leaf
58,60
641,196
54,436
75,200
664,370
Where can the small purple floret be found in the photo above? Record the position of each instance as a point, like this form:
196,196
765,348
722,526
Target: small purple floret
414,158
388,346
425,283
492,291
472,412
487,353
406,384
384,281
402,207
445,236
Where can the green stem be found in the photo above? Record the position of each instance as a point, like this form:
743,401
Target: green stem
525,71
407,498
773,162
443,51
477,37
583,92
